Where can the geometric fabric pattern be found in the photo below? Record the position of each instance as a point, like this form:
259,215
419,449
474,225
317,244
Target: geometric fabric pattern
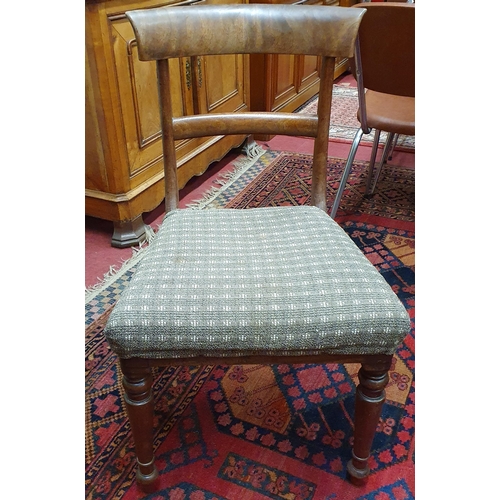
273,280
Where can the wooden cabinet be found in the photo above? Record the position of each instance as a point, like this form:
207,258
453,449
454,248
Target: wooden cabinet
285,82
124,168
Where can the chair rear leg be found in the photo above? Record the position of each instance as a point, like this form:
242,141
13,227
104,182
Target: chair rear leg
393,146
373,159
370,397
137,382
383,161
347,171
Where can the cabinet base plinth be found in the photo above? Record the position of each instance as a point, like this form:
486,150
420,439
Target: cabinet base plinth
128,233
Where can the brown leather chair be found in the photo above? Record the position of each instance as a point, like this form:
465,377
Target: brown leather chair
256,286
384,67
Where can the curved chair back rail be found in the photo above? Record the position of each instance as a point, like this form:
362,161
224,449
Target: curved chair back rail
244,123
245,29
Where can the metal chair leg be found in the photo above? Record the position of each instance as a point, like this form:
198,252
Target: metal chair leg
347,171
373,158
393,145
385,154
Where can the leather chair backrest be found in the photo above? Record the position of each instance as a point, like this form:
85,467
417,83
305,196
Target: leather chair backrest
387,43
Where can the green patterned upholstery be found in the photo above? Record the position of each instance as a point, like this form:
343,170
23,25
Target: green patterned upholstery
266,281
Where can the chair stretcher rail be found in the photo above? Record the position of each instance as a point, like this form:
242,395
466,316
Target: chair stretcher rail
245,123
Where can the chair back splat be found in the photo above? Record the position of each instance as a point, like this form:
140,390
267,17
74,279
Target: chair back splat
257,286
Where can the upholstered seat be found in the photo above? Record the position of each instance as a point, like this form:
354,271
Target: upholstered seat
264,281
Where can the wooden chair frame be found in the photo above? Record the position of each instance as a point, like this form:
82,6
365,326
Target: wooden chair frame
191,31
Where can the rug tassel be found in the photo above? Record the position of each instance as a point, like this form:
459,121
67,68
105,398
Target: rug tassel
126,264
253,153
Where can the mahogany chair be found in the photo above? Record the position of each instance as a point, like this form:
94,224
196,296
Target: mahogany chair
255,286
384,68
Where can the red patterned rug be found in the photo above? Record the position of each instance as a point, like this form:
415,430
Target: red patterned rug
260,432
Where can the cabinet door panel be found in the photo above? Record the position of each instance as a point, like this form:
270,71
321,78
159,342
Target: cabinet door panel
309,71
218,94
139,98
283,80
285,69
95,161
124,160
138,91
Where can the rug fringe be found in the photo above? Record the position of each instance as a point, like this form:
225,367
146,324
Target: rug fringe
114,273
253,153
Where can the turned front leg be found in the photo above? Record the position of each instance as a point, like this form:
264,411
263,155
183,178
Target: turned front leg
137,382
370,397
